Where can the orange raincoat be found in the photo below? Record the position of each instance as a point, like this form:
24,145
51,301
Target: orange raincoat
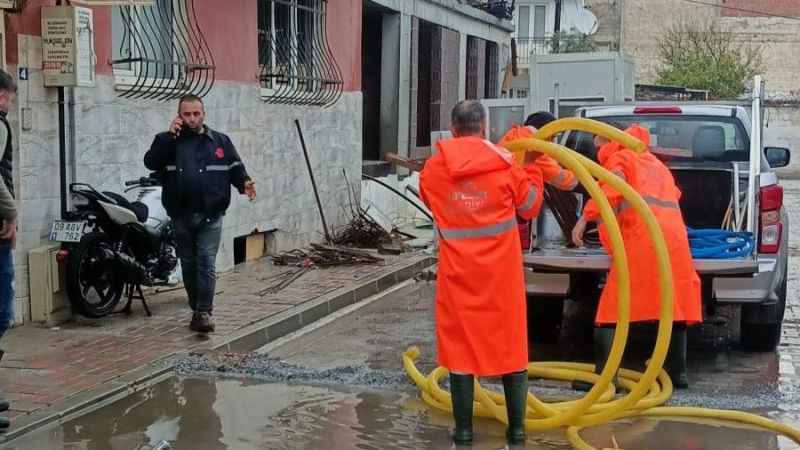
654,182
475,193
553,173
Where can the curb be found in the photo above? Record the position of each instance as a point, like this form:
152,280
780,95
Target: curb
246,339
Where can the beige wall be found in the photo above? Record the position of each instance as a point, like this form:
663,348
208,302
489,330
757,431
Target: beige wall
643,20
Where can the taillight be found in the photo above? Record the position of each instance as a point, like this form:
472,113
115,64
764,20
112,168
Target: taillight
770,223
657,110
61,256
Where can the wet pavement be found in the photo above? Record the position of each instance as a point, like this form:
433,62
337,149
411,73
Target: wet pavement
340,384
221,414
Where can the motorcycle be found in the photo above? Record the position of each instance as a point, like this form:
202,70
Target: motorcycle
112,245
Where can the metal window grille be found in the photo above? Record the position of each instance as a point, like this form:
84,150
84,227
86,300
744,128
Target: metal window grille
297,65
160,51
472,68
492,70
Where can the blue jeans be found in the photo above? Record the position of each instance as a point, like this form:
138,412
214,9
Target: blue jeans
198,239
6,286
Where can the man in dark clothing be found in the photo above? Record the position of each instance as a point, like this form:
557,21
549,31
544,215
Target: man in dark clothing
197,165
8,220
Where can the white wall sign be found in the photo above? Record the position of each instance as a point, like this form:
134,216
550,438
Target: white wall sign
67,46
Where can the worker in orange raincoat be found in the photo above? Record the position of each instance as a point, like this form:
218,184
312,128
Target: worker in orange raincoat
475,192
554,175
653,181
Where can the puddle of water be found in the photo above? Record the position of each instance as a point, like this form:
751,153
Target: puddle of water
222,414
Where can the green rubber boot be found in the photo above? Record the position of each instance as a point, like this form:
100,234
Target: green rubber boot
515,388
675,364
462,389
603,338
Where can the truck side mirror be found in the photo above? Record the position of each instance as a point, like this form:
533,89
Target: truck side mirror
777,156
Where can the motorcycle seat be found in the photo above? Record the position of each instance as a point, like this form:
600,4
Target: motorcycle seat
138,208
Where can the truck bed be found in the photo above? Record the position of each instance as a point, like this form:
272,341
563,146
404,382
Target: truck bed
597,260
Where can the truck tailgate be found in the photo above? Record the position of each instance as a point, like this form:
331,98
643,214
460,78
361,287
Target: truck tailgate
597,260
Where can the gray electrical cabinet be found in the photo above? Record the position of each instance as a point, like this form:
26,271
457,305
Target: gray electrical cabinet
572,80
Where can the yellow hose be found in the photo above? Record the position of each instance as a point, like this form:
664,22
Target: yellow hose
648,390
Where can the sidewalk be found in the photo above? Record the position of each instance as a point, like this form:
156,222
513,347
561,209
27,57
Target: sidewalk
49,373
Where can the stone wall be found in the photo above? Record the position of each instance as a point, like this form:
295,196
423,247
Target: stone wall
112,135
643,21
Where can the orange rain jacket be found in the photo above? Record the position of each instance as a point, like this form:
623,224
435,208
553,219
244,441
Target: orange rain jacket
554,174
475,192
654,182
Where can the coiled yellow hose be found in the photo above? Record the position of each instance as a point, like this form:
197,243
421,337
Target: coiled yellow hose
648,390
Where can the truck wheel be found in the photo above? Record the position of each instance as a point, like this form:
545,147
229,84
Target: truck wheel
765,337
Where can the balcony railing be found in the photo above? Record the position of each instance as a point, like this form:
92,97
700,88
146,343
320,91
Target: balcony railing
503,9
529,47
557,43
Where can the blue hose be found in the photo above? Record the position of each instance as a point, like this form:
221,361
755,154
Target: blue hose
720,244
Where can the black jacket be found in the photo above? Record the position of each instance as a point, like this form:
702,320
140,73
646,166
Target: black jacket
197,172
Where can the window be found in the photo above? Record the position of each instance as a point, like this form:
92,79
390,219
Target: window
539,20
158,51
492,75
296,63
683,137
524,22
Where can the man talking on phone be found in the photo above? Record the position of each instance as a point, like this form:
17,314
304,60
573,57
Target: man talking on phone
197,166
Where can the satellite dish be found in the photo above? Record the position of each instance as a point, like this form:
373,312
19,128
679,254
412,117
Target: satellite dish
586,22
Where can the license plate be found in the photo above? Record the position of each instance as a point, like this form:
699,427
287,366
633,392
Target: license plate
63,231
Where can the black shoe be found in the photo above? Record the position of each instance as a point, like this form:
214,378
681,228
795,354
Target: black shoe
675,364
462,389
202,323
194,324
515,388
4,423
603,338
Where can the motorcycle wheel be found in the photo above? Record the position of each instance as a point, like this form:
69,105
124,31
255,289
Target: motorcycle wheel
93,287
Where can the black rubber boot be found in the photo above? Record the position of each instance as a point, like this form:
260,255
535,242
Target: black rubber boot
603,338
675,364
515,388
462,389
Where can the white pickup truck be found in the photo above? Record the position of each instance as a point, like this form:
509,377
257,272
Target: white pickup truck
715,154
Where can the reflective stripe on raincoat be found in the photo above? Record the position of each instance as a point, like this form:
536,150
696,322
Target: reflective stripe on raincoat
654,182
475,192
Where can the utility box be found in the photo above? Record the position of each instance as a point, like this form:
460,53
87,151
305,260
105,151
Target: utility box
580,79
502,113
49,303
68,46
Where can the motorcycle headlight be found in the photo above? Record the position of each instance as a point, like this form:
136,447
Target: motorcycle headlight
79,200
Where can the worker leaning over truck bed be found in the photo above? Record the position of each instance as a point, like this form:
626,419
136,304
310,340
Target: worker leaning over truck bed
654,182
475,192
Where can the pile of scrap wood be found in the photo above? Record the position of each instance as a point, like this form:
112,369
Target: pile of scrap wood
363,231
326,256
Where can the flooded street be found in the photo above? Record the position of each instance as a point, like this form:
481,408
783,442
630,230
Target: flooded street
341,385
221,414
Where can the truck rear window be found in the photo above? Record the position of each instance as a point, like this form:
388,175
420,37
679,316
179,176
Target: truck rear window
673,137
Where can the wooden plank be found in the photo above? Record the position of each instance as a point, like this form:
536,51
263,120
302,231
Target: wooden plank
409,164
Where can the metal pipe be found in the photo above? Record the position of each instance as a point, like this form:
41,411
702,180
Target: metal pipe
62,150
755,155
736,207
406,198
313,182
